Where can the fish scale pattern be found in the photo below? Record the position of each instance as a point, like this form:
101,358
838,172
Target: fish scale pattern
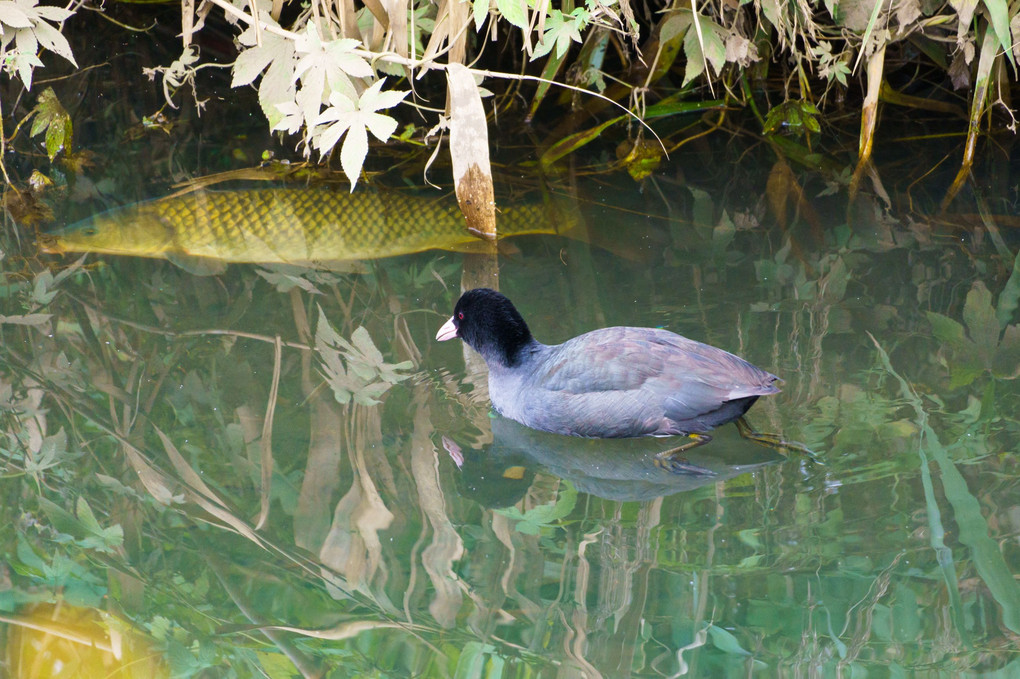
292,225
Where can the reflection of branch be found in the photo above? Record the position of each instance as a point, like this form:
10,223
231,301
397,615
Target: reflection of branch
158,482
321,477
52,628
269,339
446,547
353,546
266,444
578,648
974,533
307,666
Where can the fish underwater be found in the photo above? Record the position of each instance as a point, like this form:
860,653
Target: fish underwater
306,226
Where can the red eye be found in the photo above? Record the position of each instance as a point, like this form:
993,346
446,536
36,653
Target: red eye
460,315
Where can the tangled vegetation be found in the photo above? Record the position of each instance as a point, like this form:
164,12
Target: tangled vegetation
331,74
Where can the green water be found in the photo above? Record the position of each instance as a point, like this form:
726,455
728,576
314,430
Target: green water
203,459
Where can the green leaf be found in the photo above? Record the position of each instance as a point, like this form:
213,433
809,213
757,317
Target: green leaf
575,141
84,528
833,285
478,660
52,451
29,558
41,294
964,372
479,10
998,13
62,520
947,330
772,9
1006,363
86,516
1009,298
560,32
725,641
25,319
675,26
695,58
514,11
535,519
98,538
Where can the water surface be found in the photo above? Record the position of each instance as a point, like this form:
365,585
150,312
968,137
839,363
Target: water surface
279,472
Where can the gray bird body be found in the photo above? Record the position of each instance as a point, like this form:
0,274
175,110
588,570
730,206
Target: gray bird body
624,382
609,383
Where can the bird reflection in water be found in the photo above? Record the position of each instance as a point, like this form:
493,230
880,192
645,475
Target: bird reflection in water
625,470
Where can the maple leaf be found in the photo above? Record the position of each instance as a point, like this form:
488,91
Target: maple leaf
323,64
253,60
356,119
24,23
561,31
290,118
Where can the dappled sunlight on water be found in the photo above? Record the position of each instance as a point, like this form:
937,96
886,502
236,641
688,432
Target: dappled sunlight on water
281,472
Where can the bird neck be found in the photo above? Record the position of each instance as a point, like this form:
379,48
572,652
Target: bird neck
511,351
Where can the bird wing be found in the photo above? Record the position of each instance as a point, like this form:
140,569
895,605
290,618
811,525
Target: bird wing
641,382
621,359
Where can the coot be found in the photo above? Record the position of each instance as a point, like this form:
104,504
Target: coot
609,383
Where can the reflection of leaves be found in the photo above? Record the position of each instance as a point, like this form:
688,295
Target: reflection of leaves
355,369
25,319
83,528
285,282
828,288
77,585
535,519
52,451
45,283
725,641
855,419
975,346
1009,298
98,538
434,271
479,660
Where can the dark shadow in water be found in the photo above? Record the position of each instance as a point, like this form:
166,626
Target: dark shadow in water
614,469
